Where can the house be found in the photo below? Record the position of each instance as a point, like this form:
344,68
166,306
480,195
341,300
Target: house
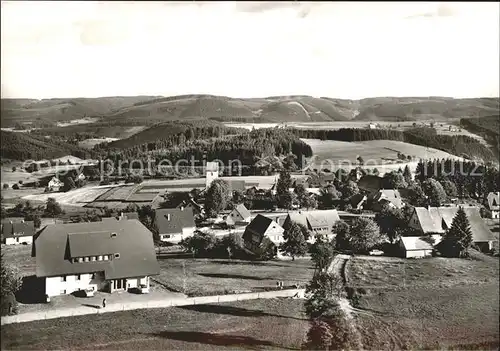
383,197
106,256
239,215
317,221
415,247
55,184
436,220
260,227
494,204
174,224
372,126
18,232
193,205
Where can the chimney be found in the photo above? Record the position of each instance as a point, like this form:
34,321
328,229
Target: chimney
182,207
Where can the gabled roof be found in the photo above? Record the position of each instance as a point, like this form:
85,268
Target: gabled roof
432,219
314,219
242,211
413,243
259,225
494,201
179,218
18,229
389,195
57,244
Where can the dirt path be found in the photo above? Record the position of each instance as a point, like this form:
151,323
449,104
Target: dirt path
337,268
165,303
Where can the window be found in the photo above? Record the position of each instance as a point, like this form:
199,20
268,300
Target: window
117,255
78,277
63,278
80,259
106,257
75,260
86,259
17,240
93,258
62,292
99,258
113,235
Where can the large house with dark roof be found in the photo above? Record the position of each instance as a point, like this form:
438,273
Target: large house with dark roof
260,227
18,232
174,224
436,220
107,256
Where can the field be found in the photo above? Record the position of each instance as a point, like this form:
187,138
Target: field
199,277
380,154
256,324
90,143
429,303
11,178
77,197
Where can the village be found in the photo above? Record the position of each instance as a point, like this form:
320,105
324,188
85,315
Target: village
125,252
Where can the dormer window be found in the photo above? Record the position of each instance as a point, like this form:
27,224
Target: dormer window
117,255
113,235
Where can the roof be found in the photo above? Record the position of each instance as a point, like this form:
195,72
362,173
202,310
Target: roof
259,225
242,211
17,229
236,185
414,243
494,201
390,195
56,244
431,219
356,199
130,215
370,182
179,218
316,218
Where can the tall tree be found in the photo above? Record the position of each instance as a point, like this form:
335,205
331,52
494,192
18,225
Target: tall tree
52,207
407,175
295,241
322,252
11,282
416,195
341,230
349,189
364,235
391,222
285,199
218,197
435,192
394,180
458,238
304,198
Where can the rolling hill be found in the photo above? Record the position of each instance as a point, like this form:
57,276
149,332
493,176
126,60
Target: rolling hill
298,108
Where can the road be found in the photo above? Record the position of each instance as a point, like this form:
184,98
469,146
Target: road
164,303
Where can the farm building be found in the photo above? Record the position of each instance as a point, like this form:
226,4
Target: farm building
55,184
384,197
494,204
174,224
239,216
415,247
318,222
18,232
95,255
436,220
260,227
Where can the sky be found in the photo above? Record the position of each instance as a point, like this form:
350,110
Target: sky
334,49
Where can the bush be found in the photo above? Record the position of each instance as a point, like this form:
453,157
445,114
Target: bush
20,182
5,186
15,187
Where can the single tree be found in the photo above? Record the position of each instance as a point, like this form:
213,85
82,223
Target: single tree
285,199
435,192
295,242
341,230
52,208
11,282
416,195
407,174
391,222
394,180
322,252
364,235
458,238
218,197
449,187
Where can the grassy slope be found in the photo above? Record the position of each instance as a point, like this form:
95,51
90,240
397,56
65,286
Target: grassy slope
256,324
285,108
431,303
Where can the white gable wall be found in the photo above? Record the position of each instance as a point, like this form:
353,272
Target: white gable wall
19,240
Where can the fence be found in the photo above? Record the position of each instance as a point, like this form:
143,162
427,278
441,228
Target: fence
116,307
